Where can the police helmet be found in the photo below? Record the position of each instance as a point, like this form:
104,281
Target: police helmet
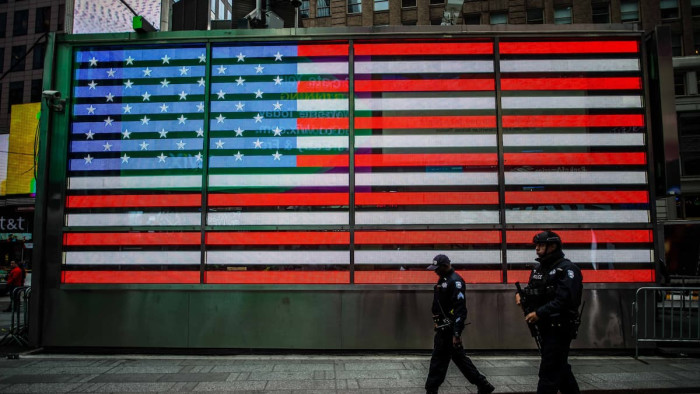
547,237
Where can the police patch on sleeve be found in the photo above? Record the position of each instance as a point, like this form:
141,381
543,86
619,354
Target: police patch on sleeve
570,273
552,272
444,285
460,296
458,284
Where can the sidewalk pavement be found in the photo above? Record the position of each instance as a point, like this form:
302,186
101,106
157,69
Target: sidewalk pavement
370,374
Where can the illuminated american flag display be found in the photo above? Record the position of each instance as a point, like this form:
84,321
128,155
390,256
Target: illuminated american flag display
315,162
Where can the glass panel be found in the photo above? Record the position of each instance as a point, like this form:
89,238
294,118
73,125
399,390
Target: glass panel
472,19
35,95
2,59
3,24
354,6
42,23
629,10
437,1
21,23
679,83
18,59
38,54
381,5
695,7
562,15
498,18
16,94
534,16
601,12
408,3
689,131
323,8
669,9
304,9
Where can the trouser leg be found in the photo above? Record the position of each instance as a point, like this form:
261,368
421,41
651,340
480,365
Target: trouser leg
467,367
555,371
439,362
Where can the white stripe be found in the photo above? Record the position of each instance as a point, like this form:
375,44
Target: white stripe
135,182
299,257
276,218
423,141
422,67
322,68
322,105
134,219
284,180
568,65
424,179
425,257
575,178
631,139
426,217
572,102
425,103
578,216
133,258
600,256
340,141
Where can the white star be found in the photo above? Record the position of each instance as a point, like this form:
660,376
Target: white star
239,132
147,72
181,119
220,144
144,145
108,121
278,106
164,83
277,155
161,158
92,85
240,81
278,56
200,132
93,62
127,109
220,118
125,158
258,144
277,131
163,108
198,156
200,107
202,58
146,96
163,133
239,106
129,61
220,94
201,82
126,133
258,93
258,118
180,145
259,69
278,80
184,70
91,110
183,95
89,135
241,57
239,156
128,84
107,146
110,73
222,69
165,59
88,159
109,97
144,120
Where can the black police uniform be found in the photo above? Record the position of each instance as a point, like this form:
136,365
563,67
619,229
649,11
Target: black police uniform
554,289
449,302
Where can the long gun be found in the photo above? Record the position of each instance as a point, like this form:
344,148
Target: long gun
534,330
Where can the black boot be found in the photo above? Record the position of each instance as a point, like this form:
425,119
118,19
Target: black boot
486,388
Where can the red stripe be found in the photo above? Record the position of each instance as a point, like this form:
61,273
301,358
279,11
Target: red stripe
409,277
432,198
104,239
323,160
277,238
583,159
427,85
277,199
277,277
573,120
426,48
425,122
438,159
136,277
596,276
322,123
427,237
323,50
572,197
585,236
574,47
622,83
322,86
123,201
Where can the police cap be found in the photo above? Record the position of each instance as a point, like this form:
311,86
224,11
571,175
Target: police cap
439,260
547,237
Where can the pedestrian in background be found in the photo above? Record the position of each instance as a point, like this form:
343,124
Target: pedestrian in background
15,279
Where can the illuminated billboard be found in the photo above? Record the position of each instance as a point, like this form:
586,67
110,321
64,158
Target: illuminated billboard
110,16
19,157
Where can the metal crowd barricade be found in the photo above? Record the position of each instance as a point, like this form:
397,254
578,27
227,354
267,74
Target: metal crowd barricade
666,314
19,323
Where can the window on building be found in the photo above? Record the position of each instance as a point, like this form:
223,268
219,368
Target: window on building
2,59
600,12
689,135
35,92
629,10
17,60
534,16
323,8
61,18
304,9
43,20
498,18
562,15
15,95
38,54
676,44
436,21
19,26
669,9
3,24
354,6
408,3
381,5
679,83
437,1
695,7
696,41
472,19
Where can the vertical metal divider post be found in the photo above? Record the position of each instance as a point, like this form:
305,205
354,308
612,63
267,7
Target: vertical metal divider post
501,164
205,167
351,156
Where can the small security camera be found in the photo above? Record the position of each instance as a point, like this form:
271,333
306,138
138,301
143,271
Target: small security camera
51,94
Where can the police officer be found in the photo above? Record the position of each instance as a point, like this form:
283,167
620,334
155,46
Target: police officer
449,313
554,291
